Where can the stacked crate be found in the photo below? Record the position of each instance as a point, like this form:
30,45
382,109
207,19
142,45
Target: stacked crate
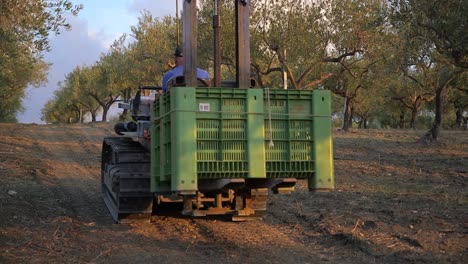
225,133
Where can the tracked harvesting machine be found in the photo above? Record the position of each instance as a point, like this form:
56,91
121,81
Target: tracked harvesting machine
217,150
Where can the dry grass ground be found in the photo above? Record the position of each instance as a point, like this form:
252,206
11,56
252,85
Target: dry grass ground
396,201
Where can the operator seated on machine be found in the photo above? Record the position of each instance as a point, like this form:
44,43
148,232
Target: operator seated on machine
179,71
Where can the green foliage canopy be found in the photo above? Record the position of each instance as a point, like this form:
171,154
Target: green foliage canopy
25,26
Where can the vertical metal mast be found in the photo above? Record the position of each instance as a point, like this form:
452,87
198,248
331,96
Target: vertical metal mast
217,48
189,18
178,24
242,43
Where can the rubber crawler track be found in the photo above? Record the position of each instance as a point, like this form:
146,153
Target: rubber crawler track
125,179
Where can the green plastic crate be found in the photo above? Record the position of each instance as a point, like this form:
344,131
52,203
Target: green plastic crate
289,144
298,138
219,133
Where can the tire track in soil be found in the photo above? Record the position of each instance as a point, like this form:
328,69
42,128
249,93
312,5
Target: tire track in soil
77,192
253,243
71,169
312,231
61,170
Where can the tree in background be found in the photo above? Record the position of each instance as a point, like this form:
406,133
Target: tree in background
359,49
81,77
369,103
151,53
205,38
62,108
376,57
456,101
118,73
411,95
25,26
441,23
290,37
435,31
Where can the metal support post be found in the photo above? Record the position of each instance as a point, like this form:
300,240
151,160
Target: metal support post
217,47
190,42
242,13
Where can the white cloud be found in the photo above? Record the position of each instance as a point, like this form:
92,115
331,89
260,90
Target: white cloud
83,44
158,8
104,39
68,50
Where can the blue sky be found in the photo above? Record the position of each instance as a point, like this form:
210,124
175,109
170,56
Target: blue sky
98,24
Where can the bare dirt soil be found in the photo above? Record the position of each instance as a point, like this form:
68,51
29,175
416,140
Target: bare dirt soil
396,201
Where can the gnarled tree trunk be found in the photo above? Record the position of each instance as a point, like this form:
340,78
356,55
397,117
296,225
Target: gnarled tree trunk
347,113
459,117
434,132
414,113
93,116
402,121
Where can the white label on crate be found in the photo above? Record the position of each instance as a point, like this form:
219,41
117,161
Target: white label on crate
204,107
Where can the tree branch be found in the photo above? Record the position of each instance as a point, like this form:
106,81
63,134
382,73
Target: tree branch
319,81
342,56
